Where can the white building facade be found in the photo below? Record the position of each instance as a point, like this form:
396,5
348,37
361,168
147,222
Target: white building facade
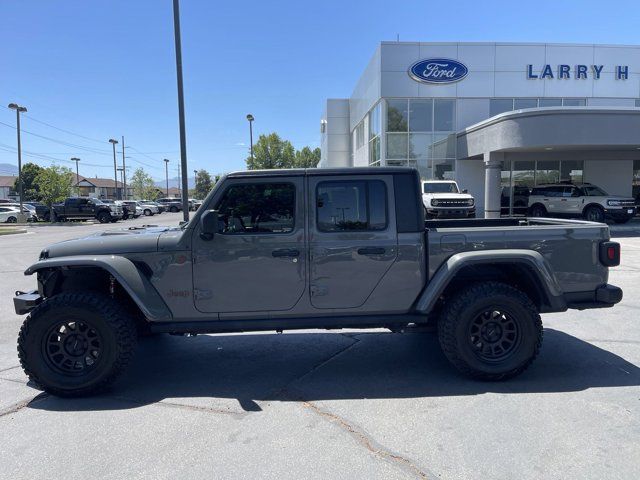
494,116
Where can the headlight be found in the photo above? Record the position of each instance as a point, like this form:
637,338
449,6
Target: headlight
434,203
614,203
471,202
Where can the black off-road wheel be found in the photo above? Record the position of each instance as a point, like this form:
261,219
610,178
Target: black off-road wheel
594,214
490,331
76,344
173,209
104,217
538,211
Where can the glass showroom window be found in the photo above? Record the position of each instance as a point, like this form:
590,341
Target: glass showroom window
574,102
360,135
521,103
547,171
374,135
571,171
444,115
500,105
397,125
421,115
550,102
636,176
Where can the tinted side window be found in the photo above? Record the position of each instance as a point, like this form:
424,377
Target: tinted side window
351,206
258,208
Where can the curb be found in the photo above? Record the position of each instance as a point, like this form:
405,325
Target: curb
11,231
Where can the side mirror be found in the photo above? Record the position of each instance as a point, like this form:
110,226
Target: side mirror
465,191
209,225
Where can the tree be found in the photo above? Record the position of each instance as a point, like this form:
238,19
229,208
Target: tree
54,184
307,158
142,185
30,188
203,184
271,152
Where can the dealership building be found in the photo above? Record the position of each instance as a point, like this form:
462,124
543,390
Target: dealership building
494,116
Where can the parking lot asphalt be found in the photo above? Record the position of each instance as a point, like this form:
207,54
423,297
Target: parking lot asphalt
343,404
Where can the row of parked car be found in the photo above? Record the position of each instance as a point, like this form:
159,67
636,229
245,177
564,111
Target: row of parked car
87,208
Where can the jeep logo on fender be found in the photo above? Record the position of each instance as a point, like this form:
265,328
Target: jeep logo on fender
438,70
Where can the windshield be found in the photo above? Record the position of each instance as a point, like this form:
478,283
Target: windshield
440,187
593,191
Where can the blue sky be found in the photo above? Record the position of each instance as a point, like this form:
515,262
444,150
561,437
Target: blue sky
103,69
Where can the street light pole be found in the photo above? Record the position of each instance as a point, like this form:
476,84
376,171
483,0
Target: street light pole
76,159
113,142
251,119
124,173
166,174
183,134
19,110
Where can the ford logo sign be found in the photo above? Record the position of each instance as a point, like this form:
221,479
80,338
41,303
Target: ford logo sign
438,70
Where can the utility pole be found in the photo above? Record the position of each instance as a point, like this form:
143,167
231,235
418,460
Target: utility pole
180,189
113,142
75,159
166,174
183,133
19,110
124,173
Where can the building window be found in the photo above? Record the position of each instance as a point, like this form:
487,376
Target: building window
397,115
374,134
351,206
500,105
574,102
419,146
444,115
636,175
571,171
638,102
550,102
360,135
521,103
547,171
421,115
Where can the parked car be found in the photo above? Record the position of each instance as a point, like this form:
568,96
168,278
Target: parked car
443,199
171,204
28,209
194,204
583,200
84,208
304,249
134,210
161,208
8,214
148,208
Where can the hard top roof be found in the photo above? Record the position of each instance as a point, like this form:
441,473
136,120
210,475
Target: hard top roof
321,171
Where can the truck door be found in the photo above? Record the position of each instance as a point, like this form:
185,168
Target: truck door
352,238
257,262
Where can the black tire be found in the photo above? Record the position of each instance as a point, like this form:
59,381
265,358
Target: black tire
490,331
12,220
537,210
46,217
95,321
594,214
147,212
114,220
173,209
104,217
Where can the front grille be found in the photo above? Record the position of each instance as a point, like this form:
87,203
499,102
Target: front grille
451,202
627,203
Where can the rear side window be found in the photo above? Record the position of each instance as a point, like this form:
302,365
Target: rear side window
258,208
351,206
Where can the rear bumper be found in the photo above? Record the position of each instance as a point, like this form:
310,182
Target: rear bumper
24,302
602,297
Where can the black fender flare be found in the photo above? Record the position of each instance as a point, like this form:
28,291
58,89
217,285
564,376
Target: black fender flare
531,259
139,288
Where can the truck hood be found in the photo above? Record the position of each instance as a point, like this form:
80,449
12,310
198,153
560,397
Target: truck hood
460,196
112,242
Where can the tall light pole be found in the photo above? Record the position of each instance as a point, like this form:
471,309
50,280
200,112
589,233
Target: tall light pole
19,110
113,142
183,133
166,173
195,181
124,170
76,159
251,119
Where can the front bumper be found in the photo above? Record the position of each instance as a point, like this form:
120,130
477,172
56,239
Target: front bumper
602,297
24,302
620,213
452,212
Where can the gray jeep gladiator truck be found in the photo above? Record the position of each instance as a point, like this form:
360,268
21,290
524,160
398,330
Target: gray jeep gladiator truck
308,249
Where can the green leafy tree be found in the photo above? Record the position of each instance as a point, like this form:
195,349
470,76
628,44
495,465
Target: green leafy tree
271,152
203,184
142,185
30,188
307,158
54,184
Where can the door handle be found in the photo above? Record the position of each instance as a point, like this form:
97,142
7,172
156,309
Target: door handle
286,252
371,251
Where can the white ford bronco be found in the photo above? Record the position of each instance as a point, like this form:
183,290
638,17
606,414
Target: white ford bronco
443,199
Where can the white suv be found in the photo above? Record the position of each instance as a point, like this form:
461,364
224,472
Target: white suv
580,200
443,199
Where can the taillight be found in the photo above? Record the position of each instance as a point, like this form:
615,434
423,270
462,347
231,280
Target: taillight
610,254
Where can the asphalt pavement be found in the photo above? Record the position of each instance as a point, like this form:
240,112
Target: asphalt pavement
344,404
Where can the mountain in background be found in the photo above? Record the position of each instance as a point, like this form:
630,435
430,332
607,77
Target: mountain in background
8,169
173,182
